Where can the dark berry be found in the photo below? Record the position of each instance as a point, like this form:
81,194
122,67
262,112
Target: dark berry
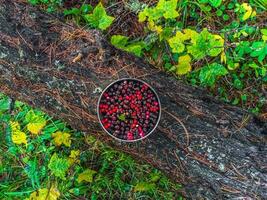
129,109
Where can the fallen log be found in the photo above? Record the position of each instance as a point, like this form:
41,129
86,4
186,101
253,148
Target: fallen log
216,151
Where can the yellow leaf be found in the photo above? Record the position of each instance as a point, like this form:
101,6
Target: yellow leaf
87,176
36,121
253,14
185,58
18,137
223,57
35,128
45,194
189,34
264,37
14,125
144,186
61,138
73,157
248,11
183,66
180,35
153,27
74,153
176,42
143,15
219,38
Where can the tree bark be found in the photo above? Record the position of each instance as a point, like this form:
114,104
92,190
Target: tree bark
216,151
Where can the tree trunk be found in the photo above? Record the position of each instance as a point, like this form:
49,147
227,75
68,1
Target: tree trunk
215,150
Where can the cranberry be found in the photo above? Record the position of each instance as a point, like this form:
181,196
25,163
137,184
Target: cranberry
129,109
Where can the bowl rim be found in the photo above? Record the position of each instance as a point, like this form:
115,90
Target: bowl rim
119,80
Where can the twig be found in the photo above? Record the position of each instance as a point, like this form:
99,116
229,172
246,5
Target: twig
182,124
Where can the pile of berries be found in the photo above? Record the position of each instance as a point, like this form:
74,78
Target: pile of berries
129,109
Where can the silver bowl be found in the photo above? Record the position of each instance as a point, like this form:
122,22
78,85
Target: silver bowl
130,79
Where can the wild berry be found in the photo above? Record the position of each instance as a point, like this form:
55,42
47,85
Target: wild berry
129,109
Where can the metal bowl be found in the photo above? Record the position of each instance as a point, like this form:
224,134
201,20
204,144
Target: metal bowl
134,80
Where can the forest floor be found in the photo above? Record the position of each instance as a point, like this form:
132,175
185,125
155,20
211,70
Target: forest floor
219,45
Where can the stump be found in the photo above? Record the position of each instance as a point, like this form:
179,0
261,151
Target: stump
215,150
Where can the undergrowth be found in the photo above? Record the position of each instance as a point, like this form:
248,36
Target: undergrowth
219,45
43,158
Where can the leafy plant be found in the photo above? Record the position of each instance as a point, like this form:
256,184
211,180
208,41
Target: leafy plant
213,3
206,44
183,66
84,9
78,13
45,194
198,45
42,170
99,18
86,176
164,8
36,121
259,50
52,5
245,11
4,103
18,136
61,138
144,186
121,42
58,166
209,73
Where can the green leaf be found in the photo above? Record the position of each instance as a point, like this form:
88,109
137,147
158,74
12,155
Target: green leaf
33,2
219,13
205,44
144,186
142,16
215,3
259,49
176,43
210,73
166,33
135,48
164,8
33,172
73,11
231,5
122,117
264,31
235,101
168,8
4,103
238,83
243,48
119,41
58,166
226,17
86,8
99,18
86,176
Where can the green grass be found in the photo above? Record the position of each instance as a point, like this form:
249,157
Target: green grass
64,164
